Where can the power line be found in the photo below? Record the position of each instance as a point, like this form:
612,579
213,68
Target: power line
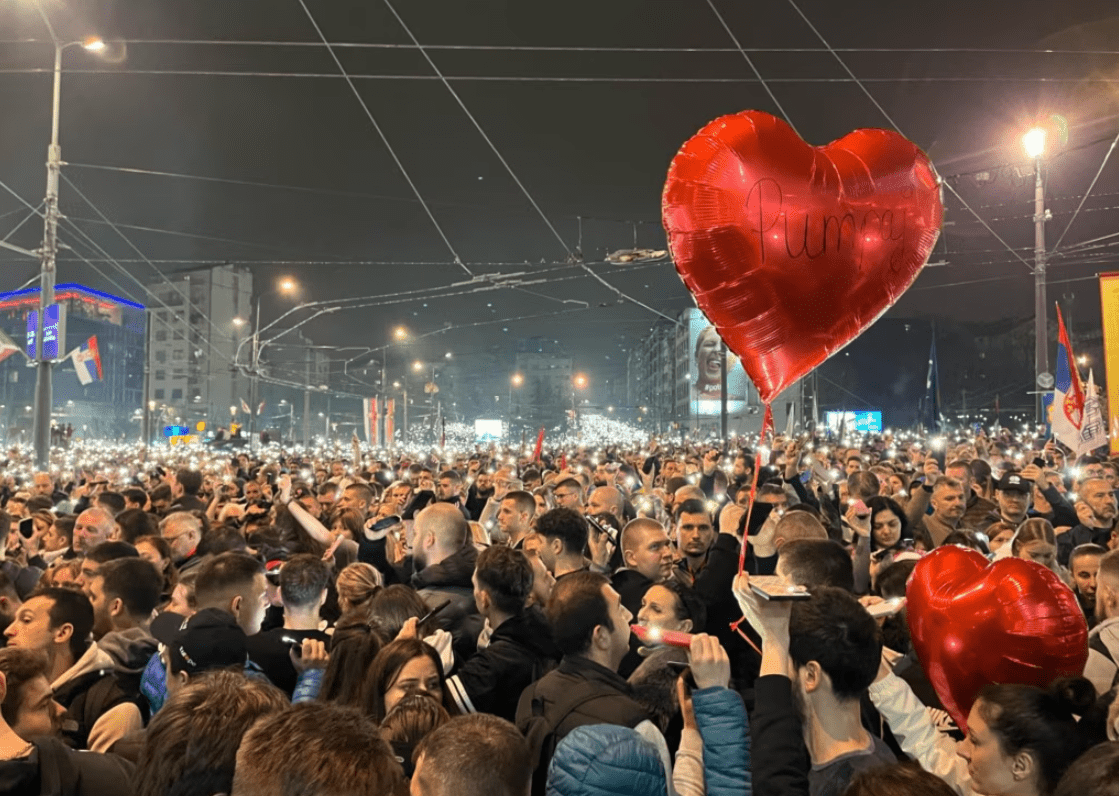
384,138
1093,80
585,49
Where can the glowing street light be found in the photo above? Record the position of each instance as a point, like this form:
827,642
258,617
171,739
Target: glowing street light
1034,142
517,379
238,321
400,333
580,381
93,44
417,366
287,285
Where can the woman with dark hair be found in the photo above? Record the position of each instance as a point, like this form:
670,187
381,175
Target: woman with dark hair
403,667
1021,739
672,606
353,647
882,534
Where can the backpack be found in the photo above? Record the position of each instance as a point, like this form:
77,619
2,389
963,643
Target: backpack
539,730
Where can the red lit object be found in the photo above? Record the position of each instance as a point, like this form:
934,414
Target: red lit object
668,638
791,250
975,623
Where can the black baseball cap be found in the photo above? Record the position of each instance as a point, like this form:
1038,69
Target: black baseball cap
1013,482
211,639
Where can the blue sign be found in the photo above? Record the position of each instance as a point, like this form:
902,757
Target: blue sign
176,431
862,422
51,332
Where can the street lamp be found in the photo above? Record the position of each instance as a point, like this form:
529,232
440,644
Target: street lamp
1034,143
400,333
49,251
286,285
515,381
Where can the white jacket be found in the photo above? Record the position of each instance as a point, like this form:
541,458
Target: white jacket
918,736
1100,668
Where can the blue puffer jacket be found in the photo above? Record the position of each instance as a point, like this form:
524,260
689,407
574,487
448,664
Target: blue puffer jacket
605,760
721,718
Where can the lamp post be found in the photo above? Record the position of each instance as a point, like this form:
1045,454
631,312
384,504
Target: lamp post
578,382
48,253
516,381
286,286
1034,143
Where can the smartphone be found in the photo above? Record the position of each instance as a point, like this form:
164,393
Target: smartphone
295,644
27,527
771,587
385,523
886,607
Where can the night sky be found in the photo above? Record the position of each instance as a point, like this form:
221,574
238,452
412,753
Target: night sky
593,142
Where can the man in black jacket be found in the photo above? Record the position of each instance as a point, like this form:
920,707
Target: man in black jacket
521,649
647,552
591,629
443,567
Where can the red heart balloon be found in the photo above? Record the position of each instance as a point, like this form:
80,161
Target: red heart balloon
790,250
975,623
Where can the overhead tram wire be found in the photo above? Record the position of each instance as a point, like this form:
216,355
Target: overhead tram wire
1094,80
136,249
384,138
750,63
508,168
894,124
583,49
1091,185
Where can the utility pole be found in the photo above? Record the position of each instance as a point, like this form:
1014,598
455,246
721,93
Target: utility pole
254,376
1041,331
47,255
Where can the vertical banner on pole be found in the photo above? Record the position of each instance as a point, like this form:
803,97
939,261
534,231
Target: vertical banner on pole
390,412
375,422
366,416
1109,305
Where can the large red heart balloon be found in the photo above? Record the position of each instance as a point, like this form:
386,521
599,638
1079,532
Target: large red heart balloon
975,623
790,250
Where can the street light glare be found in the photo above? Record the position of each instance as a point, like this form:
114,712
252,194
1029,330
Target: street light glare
518,379
93,44
417,365
400,333
238,321
1034,142
287,284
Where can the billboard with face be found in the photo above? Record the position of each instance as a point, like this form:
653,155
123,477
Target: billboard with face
705,370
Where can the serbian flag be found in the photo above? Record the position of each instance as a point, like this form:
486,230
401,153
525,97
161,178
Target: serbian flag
87,361
1068,394
8,346
245,407
539,445
390,420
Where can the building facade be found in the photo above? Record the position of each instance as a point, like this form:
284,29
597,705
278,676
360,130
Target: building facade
194,343
110,407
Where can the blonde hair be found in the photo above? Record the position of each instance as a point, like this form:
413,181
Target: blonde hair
358,584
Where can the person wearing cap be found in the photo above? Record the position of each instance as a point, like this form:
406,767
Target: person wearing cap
1013,496
230,582
210,640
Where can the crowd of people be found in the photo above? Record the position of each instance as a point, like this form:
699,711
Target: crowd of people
592,621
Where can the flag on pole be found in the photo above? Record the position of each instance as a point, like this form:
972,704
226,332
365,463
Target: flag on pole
245,407
87,361
932,389
539,445
443,435
260,409
8,346
390,420
1068,394
1093,431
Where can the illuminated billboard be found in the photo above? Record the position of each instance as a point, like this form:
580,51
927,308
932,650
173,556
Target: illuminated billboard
862,422
489,430
705,360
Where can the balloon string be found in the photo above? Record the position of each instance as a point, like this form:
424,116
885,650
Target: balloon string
767,425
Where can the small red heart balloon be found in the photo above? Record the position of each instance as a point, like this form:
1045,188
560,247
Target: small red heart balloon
975,623
790,250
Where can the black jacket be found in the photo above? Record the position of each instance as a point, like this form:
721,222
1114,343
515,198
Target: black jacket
521,651
579,692
777,752
713,583
54,769
452,579
631,586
